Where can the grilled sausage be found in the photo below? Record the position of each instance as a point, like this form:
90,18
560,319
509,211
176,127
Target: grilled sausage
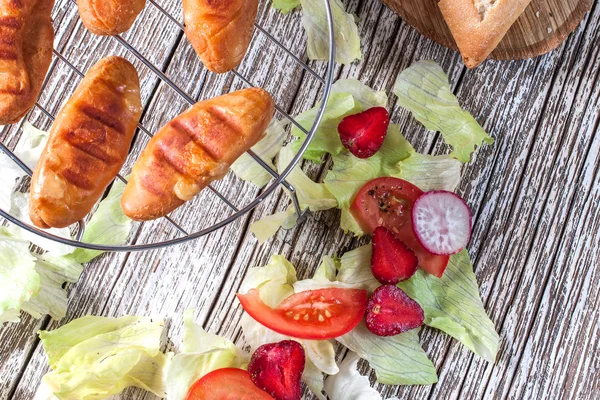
220,30
109,17
194,149
26,41
87,145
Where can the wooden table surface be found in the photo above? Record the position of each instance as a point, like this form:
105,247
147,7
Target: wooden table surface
535,195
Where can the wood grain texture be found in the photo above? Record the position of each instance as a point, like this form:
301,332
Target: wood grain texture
543,26
535,195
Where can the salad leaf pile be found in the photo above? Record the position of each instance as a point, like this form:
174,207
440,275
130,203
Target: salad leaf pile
93,358
424,90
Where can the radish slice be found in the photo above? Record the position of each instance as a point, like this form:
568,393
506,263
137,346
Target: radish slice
441,222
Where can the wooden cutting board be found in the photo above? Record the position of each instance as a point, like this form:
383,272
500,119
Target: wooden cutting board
542,27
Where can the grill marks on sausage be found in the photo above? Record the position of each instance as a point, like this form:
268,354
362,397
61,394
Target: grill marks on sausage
103,118
8,44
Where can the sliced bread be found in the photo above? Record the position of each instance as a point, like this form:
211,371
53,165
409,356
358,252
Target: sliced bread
479,25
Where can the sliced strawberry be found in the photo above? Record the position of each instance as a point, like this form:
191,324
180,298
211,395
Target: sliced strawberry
392,261
364,133
277,369
390,312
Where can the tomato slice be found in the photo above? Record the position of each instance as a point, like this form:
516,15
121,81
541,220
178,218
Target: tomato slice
312,314
226,384
388,202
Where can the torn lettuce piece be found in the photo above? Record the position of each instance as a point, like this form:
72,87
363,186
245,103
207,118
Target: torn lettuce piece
28,149
347,41
397,360
312,195
355,268
19,280
246,168
452,304
52,297
33,283
93,358
107,226
348,96
285,6
314,379
424,90
326,138
349,384
431,172
19,208
202,352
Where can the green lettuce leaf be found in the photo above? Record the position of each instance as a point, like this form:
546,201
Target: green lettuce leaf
246,168
424,90
452,304
19,280
355,268
202,352
326,138
285,6
347,41
397,360
96,357
107,226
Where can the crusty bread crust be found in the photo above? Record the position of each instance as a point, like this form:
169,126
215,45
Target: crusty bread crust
109,17
478,35
194,149
26,37
220,30
87,145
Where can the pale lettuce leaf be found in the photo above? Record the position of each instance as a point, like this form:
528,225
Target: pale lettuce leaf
285,6
355,268
246,168
397,360
96,357
452,304
424,90
266,227
107,226
431,172
19,280
52,297
347,41
349,384
314,379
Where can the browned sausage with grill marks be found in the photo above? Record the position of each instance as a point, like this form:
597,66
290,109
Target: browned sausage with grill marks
194,149
87,145
26,41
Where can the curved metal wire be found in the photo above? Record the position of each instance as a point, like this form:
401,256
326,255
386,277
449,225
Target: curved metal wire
278,180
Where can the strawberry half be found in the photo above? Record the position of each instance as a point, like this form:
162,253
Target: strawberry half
390,312
277,369
392,261
364,133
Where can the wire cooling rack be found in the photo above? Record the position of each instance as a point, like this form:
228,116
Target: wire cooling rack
279,178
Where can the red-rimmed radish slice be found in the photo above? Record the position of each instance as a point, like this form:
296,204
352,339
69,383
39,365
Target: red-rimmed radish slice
442,222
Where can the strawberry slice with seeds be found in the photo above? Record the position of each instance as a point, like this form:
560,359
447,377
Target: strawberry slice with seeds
392,261
390,312
364,133
277,369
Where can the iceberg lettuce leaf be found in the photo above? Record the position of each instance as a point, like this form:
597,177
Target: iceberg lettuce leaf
452,304
424,90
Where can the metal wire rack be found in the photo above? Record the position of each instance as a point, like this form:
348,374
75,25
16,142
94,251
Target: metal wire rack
279,178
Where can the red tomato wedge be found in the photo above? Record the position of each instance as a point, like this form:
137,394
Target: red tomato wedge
388,202
313,314
226,384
